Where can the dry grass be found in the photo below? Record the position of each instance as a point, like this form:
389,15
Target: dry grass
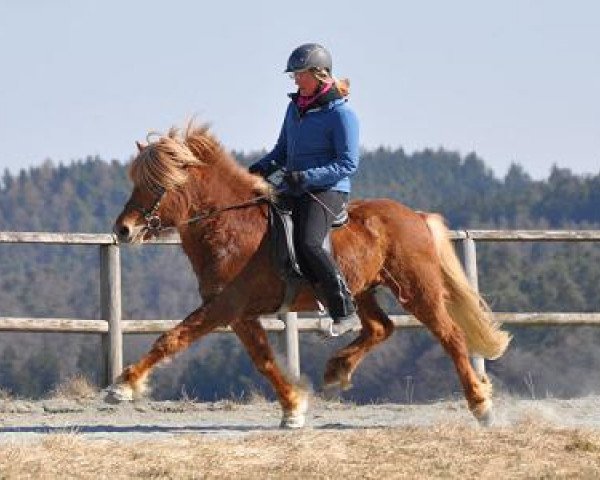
445,451
5,394
77,387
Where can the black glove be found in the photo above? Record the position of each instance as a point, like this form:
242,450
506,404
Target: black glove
264,170
294,179
256,168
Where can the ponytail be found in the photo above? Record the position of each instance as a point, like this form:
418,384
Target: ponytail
342,85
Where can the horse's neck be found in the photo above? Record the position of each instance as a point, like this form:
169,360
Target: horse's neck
217,242
213,191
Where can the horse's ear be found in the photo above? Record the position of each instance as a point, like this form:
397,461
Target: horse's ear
139,146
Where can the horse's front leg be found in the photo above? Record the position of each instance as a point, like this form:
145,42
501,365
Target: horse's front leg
292,397
132,382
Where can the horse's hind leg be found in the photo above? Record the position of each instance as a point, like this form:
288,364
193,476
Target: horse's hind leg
376,327
132,382
293,398
429,308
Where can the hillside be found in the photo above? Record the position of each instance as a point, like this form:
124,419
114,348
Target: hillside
86,196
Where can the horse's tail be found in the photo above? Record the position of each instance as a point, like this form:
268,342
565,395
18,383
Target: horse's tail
464,304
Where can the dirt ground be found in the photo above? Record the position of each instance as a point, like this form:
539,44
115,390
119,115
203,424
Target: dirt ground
69,438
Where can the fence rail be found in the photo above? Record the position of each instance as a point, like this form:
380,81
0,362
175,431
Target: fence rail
479,235
113,327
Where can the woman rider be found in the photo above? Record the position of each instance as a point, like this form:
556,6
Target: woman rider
318,151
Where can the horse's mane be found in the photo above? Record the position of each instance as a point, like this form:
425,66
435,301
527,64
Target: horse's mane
164,163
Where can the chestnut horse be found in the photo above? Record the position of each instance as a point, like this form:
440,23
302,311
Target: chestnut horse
187,181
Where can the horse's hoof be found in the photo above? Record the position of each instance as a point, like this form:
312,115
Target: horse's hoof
339,381
119,393
335,389
296,418
485,415
293,421
487,419
332,391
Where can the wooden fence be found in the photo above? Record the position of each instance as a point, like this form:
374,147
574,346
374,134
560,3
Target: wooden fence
113,327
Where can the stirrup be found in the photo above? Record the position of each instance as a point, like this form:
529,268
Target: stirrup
321,308
344,325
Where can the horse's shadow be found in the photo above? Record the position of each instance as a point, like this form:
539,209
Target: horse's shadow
83,429
210,429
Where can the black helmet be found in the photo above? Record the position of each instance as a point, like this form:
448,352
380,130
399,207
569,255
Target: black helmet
309,55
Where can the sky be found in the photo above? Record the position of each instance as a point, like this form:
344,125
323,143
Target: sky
512,80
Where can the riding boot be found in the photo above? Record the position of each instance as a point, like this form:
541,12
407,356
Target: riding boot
341,305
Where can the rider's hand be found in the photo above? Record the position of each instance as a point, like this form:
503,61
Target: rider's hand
257,169
294,179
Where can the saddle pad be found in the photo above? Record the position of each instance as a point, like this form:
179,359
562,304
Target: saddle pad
281,240
283,252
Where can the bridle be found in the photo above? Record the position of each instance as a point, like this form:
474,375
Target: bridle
153,220
154,223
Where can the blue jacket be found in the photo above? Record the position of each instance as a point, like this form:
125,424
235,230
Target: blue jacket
322,143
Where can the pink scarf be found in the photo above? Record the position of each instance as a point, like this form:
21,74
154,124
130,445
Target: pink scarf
304,102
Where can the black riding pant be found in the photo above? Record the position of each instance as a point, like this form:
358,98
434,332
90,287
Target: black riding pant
313,215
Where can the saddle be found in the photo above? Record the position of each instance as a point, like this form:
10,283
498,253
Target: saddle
283,252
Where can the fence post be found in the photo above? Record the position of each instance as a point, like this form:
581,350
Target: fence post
110,307
292,345
470,257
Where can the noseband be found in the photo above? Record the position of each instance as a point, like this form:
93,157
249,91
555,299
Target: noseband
153,221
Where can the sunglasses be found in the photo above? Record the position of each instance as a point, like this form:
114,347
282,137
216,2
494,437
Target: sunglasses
297,73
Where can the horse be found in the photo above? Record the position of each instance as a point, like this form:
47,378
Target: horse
185,180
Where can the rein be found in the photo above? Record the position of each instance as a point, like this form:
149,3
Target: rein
154,222
199,218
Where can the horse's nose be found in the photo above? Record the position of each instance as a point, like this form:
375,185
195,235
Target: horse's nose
123,233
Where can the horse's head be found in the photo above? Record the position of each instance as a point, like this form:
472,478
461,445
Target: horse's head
141,217
162,190
159,173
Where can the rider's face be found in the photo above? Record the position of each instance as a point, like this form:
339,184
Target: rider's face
306,82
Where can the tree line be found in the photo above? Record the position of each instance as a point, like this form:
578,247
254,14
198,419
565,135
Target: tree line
86,196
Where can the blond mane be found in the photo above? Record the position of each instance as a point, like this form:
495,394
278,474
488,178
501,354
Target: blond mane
164,164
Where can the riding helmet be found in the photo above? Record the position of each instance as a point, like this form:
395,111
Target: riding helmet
309,55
